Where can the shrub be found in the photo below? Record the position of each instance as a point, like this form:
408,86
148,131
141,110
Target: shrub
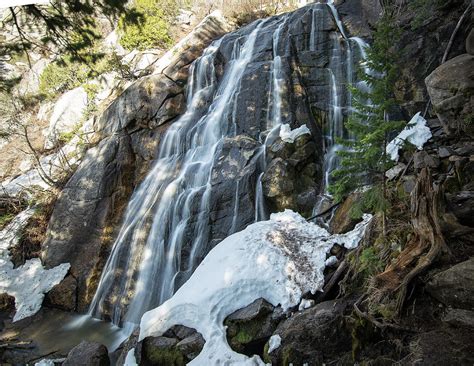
148,26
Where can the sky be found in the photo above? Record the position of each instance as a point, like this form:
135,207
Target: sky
8,3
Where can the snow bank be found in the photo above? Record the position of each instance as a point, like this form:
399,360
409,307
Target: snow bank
29,282
274,342
416,132
278,260
289,135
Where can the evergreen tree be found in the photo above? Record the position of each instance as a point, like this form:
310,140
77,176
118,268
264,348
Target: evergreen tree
364,161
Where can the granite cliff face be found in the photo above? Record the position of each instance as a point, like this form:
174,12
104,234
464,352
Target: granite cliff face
295,73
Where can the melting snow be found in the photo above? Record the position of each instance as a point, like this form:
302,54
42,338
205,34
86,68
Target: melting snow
289,135
305,304
29,282
274,342
278,260
416,132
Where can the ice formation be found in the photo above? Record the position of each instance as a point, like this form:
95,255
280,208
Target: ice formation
29,282
278,260
289,135
274,342
416,132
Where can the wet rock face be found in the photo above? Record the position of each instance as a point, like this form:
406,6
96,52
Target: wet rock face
292,175
451,88
88,353
312,336
89,209
85,208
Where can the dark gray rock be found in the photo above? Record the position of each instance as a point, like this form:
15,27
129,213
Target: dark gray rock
445,152
421,159
89,202
88,354
443,347
459,318
461,205
470,42
248,329
455,286
191,346
451,88
292,175
312,336
63,295
171,351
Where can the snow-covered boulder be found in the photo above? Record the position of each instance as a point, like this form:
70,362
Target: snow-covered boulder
29,282
278,260
67,114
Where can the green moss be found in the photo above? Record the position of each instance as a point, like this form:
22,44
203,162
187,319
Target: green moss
166,356
5,219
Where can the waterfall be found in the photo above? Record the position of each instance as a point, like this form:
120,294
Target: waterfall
175,191
169,212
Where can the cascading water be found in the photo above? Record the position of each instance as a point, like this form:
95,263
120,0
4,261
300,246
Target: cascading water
170,211
165,203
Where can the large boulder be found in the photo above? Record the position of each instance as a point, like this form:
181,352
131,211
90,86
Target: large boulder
313,336
88,354
451,88
68,113
455,286
178,346
29,84
452,346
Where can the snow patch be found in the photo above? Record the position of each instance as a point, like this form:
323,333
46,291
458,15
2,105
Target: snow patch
331,261
289,135
274,342
29,282
278,260
416,132
305,304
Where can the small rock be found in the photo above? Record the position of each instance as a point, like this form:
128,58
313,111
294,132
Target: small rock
88,354
409,183
395,171
422,160
445,152
63,295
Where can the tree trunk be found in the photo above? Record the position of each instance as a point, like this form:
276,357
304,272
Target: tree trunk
427,243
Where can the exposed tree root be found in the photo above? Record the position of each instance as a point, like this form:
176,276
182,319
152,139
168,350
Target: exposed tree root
427,243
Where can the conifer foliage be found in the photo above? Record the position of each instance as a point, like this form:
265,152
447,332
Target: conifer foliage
364,161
